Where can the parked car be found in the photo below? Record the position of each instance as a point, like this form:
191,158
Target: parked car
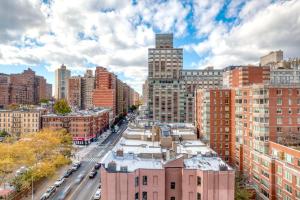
48,193
59,182
68,173
97,195
93,173
97,166
76,166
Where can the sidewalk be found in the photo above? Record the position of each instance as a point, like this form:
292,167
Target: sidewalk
43,186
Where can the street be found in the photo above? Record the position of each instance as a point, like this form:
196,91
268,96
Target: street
86,189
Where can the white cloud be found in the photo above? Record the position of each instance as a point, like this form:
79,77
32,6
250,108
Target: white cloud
277,26
205,12
109,33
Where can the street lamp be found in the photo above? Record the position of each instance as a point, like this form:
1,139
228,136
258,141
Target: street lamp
32,198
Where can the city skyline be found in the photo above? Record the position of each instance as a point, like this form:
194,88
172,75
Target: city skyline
207,30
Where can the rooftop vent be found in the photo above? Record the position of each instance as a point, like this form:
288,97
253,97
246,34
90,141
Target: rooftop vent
120,153
223,167
112,166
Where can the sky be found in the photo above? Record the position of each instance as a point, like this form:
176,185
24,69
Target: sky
43,34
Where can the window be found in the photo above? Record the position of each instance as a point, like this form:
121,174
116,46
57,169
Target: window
279,181
279,101
289,158
198,196
279,120
198,180
145,180
288,188
136,181
136,196
288,176
298,181
279,111
144,196
172,185
172,198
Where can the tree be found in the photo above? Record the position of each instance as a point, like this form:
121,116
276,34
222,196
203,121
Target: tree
44,101
41,153
3,133
62,107
241,193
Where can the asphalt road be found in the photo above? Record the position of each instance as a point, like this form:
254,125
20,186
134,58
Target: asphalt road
86,189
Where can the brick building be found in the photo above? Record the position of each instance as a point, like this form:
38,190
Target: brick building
111,92
74,92
84,126
264,113
23,88
105,93
16,122
213,119
157,165
238,76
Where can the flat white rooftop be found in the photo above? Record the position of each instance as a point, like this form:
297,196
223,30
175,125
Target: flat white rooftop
198,156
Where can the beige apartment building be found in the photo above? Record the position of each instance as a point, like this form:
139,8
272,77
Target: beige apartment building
170,88
18,122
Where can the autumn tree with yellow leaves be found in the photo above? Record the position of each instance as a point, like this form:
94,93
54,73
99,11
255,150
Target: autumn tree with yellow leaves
41,153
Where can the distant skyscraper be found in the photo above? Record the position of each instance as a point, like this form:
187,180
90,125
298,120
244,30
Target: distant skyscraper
87,87
105,92
49,91
74,92
61,77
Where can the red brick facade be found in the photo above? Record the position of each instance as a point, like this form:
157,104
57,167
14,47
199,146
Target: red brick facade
84,127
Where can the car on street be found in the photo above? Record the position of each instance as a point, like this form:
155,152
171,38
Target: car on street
76,166
64,193
97,195
97,166
58,182
48,193
79,178
68,173
92,174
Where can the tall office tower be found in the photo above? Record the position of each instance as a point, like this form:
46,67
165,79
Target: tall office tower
237,76
61,88
171,89
136,98
88,85
48,91
74,92
213,120
164,65
105,94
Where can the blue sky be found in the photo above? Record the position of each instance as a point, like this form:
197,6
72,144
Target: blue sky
117,33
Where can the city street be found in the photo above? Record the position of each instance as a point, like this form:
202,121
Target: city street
87,187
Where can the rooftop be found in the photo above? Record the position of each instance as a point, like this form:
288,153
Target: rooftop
142,154
85,113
